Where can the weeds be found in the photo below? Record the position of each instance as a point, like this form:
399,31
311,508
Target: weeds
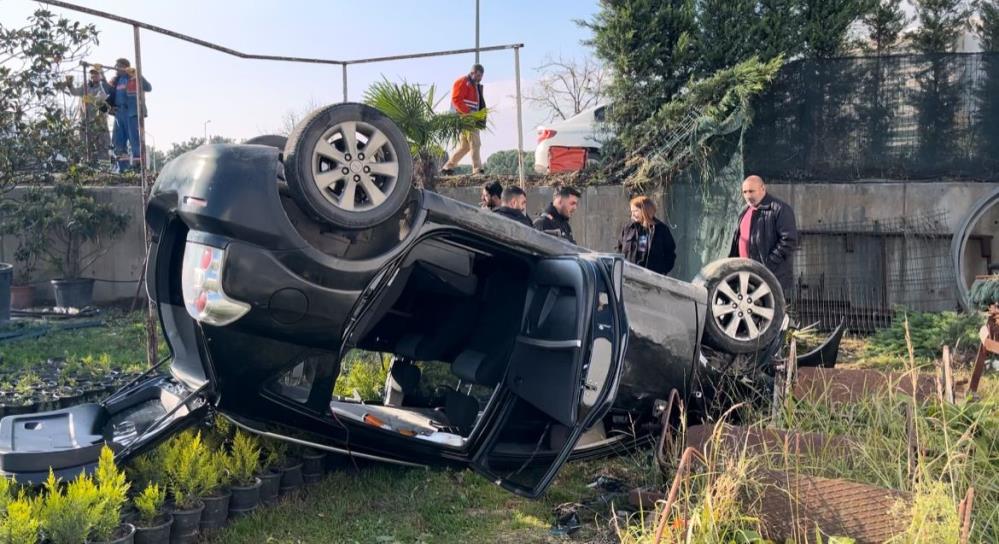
363,373
929,332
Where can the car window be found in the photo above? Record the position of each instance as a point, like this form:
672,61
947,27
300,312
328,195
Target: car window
600,114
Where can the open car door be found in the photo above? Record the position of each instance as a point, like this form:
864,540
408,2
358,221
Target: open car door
136,417
563,373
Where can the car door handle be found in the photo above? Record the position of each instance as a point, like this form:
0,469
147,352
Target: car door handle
550,344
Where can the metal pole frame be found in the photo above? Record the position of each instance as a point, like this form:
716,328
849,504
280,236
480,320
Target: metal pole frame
140,100
85,114
520,121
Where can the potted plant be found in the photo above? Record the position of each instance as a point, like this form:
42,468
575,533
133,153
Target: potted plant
274,454
216,494
243,464
19,526
183,459
112,493
153,523
24,222
313,466
67,516
22,292
6,278
291,473
74,231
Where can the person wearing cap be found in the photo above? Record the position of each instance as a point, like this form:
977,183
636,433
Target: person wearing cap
466,98
124,99
93,110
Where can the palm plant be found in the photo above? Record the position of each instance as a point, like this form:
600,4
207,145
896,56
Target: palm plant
429,133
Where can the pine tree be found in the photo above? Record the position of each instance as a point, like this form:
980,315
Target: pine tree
648,46
779,30
988,25
885,22
988,90
825,24
728,33
940,24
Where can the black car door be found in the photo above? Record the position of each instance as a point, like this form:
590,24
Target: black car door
563,372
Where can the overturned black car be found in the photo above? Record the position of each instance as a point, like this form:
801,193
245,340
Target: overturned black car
272,262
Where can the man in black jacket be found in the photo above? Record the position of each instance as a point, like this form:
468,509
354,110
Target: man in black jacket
555,219
766,231
514,205
490,195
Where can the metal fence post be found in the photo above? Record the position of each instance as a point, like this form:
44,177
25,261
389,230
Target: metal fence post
344,65
140,96
520,121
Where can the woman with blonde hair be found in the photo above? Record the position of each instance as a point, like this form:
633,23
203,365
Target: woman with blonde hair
647,241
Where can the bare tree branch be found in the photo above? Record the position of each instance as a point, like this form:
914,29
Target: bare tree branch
567,86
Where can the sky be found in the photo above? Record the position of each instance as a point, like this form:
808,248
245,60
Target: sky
243,98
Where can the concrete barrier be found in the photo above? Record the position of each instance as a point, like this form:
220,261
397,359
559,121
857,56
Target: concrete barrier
602,212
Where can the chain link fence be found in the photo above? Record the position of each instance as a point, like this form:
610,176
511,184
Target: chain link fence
864,271
902,117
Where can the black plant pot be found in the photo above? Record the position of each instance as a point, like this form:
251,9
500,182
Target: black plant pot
6,278
291,477
313,466
124,535
71,398
156,534
185,525
216,511
245,499
22,408
78,293
271,486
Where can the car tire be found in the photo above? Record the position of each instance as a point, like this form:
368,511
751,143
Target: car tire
333,178
272,140
746,305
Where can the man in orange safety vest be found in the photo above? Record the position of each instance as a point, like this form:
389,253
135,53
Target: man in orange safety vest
466,97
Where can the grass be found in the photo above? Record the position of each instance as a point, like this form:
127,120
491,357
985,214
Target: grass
121,342
386,504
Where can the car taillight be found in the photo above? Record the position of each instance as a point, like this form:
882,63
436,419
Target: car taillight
545,133
201,280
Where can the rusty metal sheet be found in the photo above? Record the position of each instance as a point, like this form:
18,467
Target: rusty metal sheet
842,385
758,441
792,506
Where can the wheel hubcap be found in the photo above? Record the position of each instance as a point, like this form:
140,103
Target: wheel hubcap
743,306
355,166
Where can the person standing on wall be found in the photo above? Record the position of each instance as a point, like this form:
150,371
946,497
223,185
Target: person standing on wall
766,232
124,101
647,241
93,95
466,97
555,219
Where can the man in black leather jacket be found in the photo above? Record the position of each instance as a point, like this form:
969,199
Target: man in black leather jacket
555,219
514,205
766,231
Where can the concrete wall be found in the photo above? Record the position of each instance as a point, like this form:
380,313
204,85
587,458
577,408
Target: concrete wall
818,205
601,214
119,270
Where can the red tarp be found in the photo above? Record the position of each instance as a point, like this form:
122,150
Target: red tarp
566,159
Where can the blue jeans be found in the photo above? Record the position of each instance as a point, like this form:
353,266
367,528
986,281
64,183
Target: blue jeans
126,138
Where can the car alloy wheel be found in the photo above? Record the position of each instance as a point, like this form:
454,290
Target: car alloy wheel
355,166
743,306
